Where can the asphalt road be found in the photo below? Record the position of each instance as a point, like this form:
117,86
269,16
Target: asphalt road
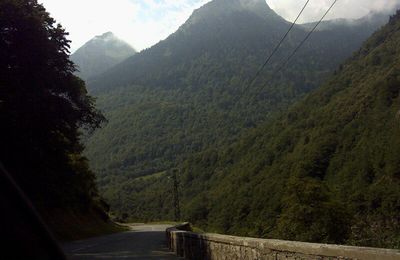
142,242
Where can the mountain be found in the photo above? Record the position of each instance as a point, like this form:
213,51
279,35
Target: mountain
213,30
370,20
326,170
100,54
329,166
190,93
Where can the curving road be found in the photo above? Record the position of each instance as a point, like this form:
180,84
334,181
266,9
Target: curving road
142,242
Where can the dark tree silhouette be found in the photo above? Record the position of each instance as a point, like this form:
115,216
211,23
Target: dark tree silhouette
43,108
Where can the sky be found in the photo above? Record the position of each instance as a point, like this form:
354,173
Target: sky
143,23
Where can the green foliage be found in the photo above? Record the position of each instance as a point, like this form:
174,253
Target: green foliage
326,170
187,95
309,214
43,106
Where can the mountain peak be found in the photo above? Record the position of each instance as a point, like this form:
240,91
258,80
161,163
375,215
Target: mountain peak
107,34
106,37
100,54
256,6
219,8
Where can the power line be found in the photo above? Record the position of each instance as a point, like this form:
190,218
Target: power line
305,39
280,68
277,46
295,51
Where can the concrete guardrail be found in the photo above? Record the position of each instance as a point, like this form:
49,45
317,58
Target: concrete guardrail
190,245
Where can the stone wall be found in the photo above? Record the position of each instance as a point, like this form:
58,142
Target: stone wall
221,247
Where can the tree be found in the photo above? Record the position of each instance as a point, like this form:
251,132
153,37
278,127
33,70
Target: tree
309,214
43,107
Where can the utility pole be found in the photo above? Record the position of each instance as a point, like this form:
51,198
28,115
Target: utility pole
176,195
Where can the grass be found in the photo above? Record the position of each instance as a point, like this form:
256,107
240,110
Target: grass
163,223
68,225
150,176
194,228
197,230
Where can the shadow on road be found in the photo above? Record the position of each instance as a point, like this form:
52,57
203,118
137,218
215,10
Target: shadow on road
127,245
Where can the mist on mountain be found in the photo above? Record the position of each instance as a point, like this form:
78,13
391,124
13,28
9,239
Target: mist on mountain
100,54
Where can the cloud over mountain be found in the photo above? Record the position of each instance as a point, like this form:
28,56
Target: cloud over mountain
343,9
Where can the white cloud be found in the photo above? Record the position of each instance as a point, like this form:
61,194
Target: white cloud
84,19
143,23
289,9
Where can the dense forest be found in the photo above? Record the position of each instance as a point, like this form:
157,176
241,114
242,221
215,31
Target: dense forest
307,153
43,110
327,170
190,93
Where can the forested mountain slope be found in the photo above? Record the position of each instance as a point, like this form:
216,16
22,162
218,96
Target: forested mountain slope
370,20
189,93
100,54
327,170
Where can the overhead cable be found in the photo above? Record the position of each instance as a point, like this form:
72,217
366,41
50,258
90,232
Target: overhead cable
278,45
305,39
